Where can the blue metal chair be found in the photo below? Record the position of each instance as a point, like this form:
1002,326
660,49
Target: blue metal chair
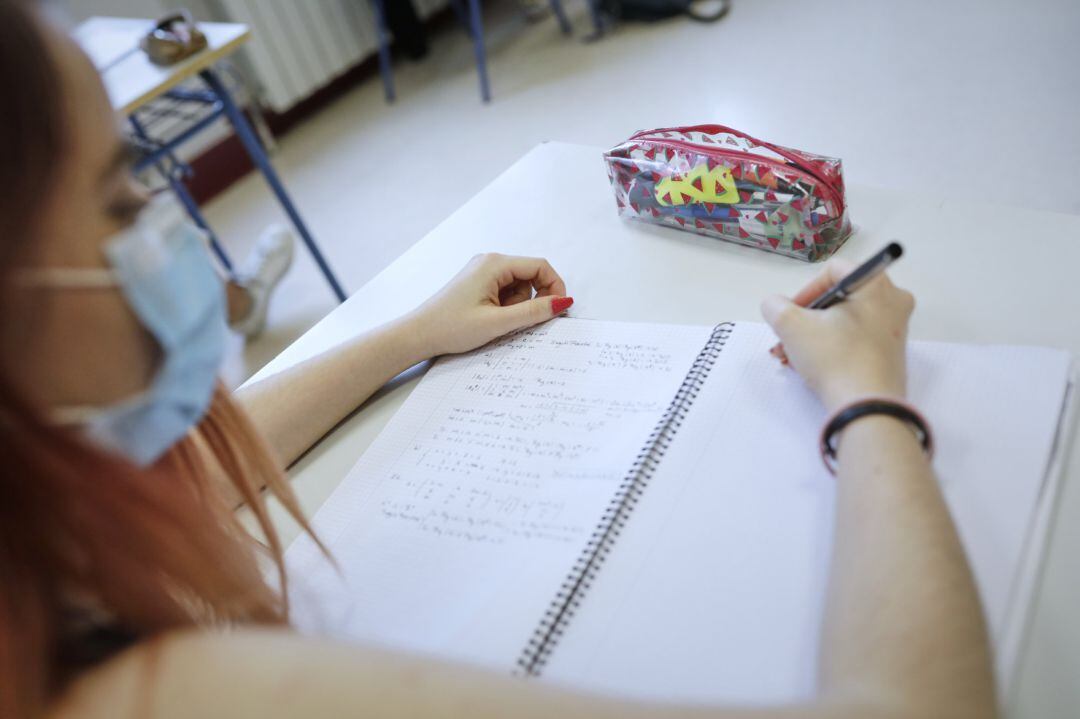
471,18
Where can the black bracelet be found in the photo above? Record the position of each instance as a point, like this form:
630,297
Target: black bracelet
870,406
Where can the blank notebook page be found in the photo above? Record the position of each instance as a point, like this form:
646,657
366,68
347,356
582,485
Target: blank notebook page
714,590
459,524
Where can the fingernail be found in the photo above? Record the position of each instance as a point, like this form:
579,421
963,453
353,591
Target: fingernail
778,352
561,304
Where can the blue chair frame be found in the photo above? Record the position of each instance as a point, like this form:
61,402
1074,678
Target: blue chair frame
472,18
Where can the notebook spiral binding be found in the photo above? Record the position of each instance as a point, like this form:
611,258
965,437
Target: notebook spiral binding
581,576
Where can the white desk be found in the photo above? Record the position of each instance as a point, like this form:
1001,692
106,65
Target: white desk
129,76
979,273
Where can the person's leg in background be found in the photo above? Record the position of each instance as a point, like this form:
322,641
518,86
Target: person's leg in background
249,290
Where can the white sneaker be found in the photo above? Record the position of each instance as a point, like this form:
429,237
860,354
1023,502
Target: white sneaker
260,274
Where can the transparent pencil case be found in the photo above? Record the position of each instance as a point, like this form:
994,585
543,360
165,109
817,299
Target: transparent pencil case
722,183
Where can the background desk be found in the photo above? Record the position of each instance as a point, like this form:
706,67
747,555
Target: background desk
133,82
976,278
130,78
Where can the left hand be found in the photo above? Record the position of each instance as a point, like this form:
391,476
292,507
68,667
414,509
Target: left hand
492,296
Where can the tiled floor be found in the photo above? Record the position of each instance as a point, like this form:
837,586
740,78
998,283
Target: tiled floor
956,99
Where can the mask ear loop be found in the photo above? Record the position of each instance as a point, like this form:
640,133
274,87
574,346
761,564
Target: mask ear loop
66,278
83,414
72,416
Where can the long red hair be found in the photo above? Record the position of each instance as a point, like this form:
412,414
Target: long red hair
151,549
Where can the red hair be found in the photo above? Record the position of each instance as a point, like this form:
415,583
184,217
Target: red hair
157,549
152,549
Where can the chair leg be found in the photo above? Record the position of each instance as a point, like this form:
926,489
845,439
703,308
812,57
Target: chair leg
255,151
598,22
192,207
462,15
172,174
476,29
383,33
560,15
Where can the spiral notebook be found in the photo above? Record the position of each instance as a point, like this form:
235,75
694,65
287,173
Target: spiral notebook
640,510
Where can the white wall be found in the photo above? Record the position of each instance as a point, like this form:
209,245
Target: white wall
79,10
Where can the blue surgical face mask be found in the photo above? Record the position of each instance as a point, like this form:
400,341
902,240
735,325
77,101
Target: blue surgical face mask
162,267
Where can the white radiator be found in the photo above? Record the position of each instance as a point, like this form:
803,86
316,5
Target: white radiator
300,45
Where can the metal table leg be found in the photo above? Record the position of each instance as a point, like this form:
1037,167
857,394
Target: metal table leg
383,32
598,22
476,28
560,15
258,156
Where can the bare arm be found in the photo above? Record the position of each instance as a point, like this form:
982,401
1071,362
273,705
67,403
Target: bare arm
903,623
903,626
276,675
294,408
904,634
492,296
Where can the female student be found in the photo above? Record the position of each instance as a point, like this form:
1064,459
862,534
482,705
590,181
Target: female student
127,587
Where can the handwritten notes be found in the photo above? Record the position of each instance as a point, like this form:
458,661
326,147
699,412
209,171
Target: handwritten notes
521,425
469,509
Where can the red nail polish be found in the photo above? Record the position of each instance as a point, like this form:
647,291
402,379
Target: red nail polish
561,304
778,352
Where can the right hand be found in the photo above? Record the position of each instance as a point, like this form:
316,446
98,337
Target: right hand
853,349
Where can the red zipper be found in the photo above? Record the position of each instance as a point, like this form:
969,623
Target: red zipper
714,129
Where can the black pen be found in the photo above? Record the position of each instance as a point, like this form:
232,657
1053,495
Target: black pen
851,282
858,277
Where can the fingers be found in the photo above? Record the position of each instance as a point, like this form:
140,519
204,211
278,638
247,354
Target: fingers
517,292
535,270
778,312
532,312
907,301
781,312
836,270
